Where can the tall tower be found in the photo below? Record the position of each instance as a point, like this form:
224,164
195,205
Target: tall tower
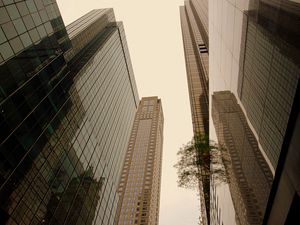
249,174
254,86
139,188
67,104
194,25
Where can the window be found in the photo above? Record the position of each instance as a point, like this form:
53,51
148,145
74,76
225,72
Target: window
19,25
202,48
39,4
28,22
13,12
6,50
43,15
36,18
16,44
2,36
48,27
42,31
6,2
9,30
31,6
34,35
3,16
22,8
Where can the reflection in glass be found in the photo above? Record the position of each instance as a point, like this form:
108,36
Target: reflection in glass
60,117
253,86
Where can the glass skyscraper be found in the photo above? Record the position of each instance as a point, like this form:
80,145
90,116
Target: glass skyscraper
249,175
194,26
68,101
194,34
254,86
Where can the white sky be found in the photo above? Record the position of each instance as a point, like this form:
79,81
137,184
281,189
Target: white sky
155,44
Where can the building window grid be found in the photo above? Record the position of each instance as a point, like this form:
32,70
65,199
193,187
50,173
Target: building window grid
263,46
39,33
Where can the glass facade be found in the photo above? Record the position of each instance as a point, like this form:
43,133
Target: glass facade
83,30
194,26
196,58
254,61
200,13
267,95
27,23
249,176
65,121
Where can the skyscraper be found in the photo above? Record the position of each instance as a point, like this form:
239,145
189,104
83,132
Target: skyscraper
68,101
250,176
139,187
195,41
194,25
254,85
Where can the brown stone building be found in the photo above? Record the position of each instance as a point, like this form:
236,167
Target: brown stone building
139,188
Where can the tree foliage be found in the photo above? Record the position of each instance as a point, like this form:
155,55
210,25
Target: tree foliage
194,164
187,169
194,161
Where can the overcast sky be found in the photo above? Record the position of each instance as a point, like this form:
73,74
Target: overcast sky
155,44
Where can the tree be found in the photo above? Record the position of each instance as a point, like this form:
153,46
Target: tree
193,167
187,169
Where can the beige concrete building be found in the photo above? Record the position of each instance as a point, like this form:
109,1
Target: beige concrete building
139,188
